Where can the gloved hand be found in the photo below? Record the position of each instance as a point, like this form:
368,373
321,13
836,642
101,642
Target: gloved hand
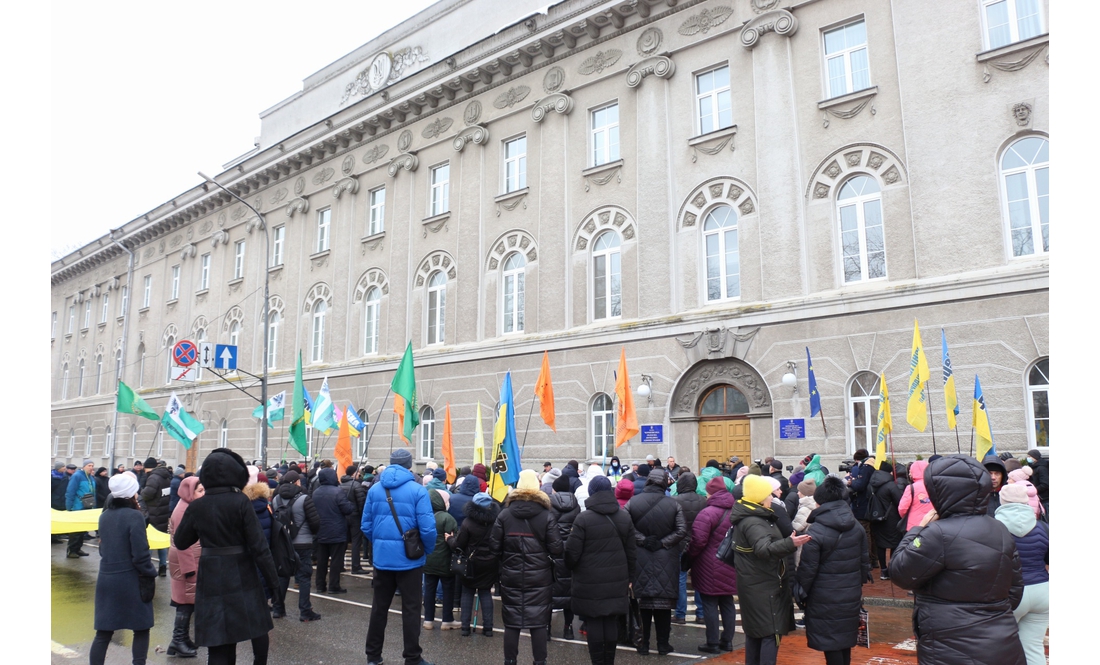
652,543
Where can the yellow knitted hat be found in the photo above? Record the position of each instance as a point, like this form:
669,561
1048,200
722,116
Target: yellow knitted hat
528,480
757,488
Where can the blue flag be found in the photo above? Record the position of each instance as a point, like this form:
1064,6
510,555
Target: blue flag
354,422
509,464
815,397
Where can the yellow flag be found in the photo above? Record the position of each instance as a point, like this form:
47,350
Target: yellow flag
479,439
885,422
497,488
916,413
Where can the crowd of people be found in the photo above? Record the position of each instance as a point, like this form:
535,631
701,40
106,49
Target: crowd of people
602,544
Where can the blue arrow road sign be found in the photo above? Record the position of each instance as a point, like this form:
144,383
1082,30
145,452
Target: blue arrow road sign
225,356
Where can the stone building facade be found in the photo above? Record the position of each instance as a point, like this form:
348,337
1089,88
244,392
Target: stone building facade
712,186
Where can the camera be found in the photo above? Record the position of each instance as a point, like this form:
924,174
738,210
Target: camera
759,463
847,465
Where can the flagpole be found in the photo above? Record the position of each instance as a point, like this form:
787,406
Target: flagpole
370,430
931,420
958,442
821,412
160,425
971,441
523,446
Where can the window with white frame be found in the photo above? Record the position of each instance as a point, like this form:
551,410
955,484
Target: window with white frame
108,442
168,353
238,260
607,293
1010,21
723,258
160,444
605,134
846,63
234,333
427,433
123,301
273,340
88,442
106,301
440,189
318,339
361,441
1038,404
512,293
437,307
80,379
223,434
53,326
72,318
118,366
175,282
87,313
147,292
65,381
133,440
371,311
200,337
204,272
98,373
863,411
1025,172
141,366
862,246
278,235
377,211
515,164
713,103
72,443
56,443
324,219
603,427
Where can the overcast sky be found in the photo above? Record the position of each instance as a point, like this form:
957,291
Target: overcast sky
146,94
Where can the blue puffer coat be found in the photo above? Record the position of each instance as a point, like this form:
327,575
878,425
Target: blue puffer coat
1032,540
414,510
466,491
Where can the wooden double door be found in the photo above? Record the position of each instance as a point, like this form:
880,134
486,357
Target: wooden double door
722,439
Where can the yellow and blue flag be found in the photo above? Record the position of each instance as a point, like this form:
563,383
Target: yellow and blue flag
950,397
507,463
885,422
815,397
916,412
981,423
355,423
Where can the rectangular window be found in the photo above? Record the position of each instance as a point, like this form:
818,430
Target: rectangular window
53,326
204,272
712,100
441,189
238,260
124,300
175,282
72,318
324,217
605,135
277,245
1010,21
846,59
106,301
273,341
377,210
87,312
515,164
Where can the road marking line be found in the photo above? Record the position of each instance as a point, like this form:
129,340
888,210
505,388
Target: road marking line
62,650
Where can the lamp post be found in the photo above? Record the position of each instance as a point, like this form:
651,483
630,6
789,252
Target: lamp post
267,313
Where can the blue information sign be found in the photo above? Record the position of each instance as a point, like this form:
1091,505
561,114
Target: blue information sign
794,428
653,433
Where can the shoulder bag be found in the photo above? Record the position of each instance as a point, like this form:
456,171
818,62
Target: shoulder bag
726,548
414,547
459,559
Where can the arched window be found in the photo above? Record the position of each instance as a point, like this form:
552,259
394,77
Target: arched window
427,433
141,366
98,373
512,309
108,442
200,337
168,352
371,311
863,411
80,379
607,287
273,340
56,442
724,401
603,427
1038,403
118,366
319,309
65,381
234,333
361,444
223,434
437,307
88,442
72,443
1025,171
862,249
723,261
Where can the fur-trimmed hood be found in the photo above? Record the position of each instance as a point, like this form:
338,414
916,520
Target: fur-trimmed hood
534,496
482,514
257,491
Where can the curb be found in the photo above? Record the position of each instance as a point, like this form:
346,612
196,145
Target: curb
887,602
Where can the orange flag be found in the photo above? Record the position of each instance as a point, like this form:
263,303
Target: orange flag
343,444
399,409
626,419
545,392
448,448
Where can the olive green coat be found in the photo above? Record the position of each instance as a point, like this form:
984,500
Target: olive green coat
764,596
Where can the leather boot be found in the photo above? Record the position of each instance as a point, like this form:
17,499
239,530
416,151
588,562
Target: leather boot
190,610
178,645
595,652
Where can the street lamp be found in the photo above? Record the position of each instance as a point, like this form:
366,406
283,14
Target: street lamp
267,314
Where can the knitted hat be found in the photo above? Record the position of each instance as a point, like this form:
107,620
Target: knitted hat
57,466
180,470
757,488
150,462
482,499
552,475
735,460
123,485
741,473
561,484
86,462
402,457
528,480
429,466
261,477
599,484
807,487
1013,494
832,489
643,470
715,485
253,474
1021,474
650,458
1035,454
441,474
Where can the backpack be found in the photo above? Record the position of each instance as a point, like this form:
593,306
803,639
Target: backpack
285,556
877,505
285,516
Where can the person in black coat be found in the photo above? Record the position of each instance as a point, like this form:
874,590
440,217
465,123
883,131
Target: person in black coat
526,538
564,508
102,489
155,496
859,481
482,568
1041,476
334,509
356,493
832,570
887,532
659,528
692,503
965,570
998,474
124,567
229,596
601,553
776,472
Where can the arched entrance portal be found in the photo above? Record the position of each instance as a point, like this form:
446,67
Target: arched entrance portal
724,425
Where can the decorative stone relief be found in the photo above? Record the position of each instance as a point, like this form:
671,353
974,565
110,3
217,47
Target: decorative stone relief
176,240
473,134
554,80
705,20
649,41
279,196
599,62
404,141
350,184
435,226
600,220
511,97
319,291
437,260
318,262
406,161
821,191
1022,113
221,219
891,175
436,127
160,247
713,149
374,154
865,158
602,179
299,186
746,208
373,277
188,251
779,21
832,170
761,6
875,160
512,204
234,315
238,213
847,114
297,205
149,252
1013,65
854,158
221,237
660,66
721,190
323,176
712,371
472,113
559,102
206,226
347,165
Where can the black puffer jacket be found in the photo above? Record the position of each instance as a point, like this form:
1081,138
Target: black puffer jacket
832,570
482,568
691,502
333,508
601,553
155,496
888,532
356,492
565,508
761,554
965,571
657,576
525,538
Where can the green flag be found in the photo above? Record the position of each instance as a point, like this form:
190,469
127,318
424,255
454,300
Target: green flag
404,386
128,402
298,412
181,425
275,409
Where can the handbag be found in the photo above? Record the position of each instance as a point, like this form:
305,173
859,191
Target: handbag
634,623
147,586
459,559
88,501
727,548
414,547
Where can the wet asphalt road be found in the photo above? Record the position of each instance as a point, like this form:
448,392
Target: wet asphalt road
337,638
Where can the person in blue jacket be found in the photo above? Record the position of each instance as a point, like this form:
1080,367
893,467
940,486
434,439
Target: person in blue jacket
392,569
80,484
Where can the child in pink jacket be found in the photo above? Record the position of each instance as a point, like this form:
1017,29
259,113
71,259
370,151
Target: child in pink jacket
915,503
1020,476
